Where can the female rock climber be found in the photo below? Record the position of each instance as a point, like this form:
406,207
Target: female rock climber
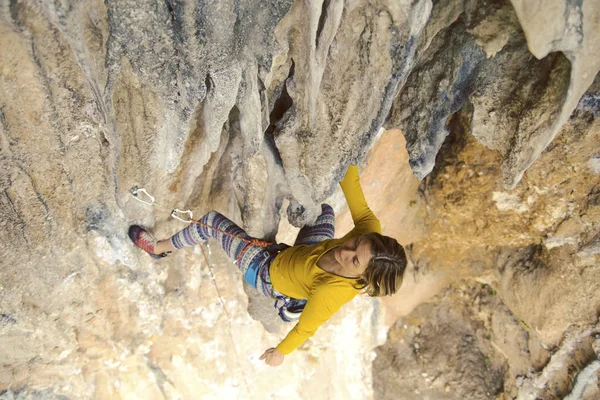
327,272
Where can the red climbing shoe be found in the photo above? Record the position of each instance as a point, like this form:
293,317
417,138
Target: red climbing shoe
144,240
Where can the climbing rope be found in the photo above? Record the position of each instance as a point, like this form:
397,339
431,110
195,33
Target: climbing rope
176,213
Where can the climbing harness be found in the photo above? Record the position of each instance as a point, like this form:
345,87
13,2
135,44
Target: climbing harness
288,309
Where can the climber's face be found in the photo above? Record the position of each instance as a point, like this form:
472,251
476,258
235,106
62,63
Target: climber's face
353,256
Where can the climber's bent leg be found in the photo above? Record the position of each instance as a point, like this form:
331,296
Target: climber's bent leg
217,226
255,261
322,229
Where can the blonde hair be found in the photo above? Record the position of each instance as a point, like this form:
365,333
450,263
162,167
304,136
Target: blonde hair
385,271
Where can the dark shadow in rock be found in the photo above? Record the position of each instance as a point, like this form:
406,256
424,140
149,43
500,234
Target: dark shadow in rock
322,20
96,216
6,319
281,105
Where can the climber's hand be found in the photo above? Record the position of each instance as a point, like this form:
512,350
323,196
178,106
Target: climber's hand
272,357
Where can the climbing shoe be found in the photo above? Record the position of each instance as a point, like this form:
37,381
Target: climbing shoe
144,240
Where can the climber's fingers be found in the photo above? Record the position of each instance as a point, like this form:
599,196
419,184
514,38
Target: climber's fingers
272,357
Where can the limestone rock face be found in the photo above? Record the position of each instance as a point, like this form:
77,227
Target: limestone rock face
482,54
255,109
517,313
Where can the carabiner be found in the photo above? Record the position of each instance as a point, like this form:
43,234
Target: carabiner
188,212
135,192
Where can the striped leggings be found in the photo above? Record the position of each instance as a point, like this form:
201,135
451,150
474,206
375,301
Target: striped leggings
256,260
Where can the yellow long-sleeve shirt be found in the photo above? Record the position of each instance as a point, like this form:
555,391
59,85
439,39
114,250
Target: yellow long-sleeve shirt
295,273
